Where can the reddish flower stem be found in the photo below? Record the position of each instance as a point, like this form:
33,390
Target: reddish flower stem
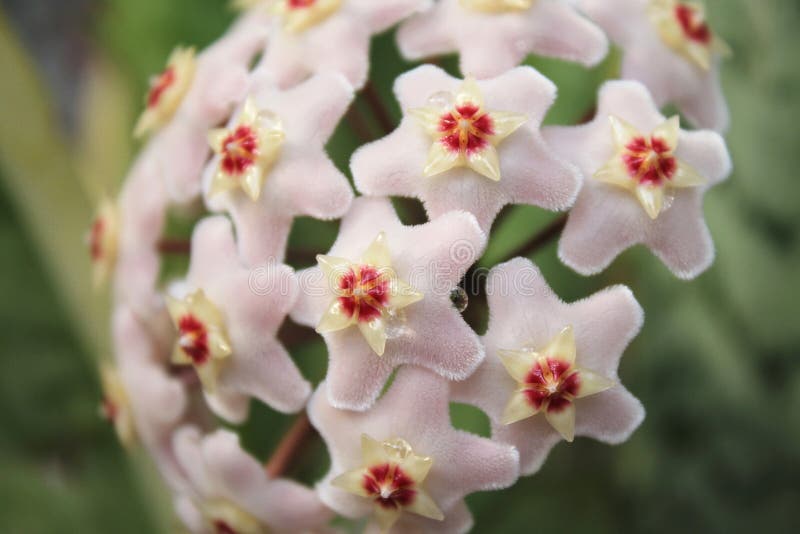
290,446
175,246
382,115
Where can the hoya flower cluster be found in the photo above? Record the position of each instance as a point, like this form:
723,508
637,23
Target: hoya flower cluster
238,132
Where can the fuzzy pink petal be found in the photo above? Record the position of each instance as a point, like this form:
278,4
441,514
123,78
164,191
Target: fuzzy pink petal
415,408
282,504
392,165
491,43
310,184
381,16
457,520
683,241
189,515
187,443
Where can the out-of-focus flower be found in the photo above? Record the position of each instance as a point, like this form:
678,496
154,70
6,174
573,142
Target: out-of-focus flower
427,260
669,47
227,317
230,492
221,82
102,241
313,36
116,406
298,178
142,390
167,90
493,36
414,468
550,371
486,150
630,146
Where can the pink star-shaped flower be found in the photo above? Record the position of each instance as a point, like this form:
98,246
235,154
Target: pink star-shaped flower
669,47
454,161
670,172
227,317
301,179
408,434
221,81
157,402
493,36
328,35
382,299
229,491
582,398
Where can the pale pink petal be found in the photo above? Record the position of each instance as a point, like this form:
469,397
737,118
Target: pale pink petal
492,43
381,16
457,520
282,504
189,515
416,408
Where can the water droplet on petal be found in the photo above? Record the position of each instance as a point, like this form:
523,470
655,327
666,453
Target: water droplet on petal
459,299
443,100
269,120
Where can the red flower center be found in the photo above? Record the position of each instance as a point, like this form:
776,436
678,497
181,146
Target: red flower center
554,385
109,409
163,82
649,160
96,239
221,527
193,339
694,27
389,486
364,292
239,150
466,129
301,4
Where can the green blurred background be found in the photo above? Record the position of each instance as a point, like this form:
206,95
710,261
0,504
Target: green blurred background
715,366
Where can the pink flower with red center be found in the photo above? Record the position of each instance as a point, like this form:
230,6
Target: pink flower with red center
669,46
115,406
220,83
660,205
456,150
228,491
402,462
312,37
103,241
550,371
494,36
167,90
368,294
290,174
240,149
227,316
410,318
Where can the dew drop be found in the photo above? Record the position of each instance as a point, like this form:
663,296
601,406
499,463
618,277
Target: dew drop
459,299
443,100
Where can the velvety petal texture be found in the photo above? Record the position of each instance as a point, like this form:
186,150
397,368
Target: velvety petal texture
671,77
252,303
302,180
431,258
608,219
227,485
529,171
334,36
492,41
415,409
526,314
